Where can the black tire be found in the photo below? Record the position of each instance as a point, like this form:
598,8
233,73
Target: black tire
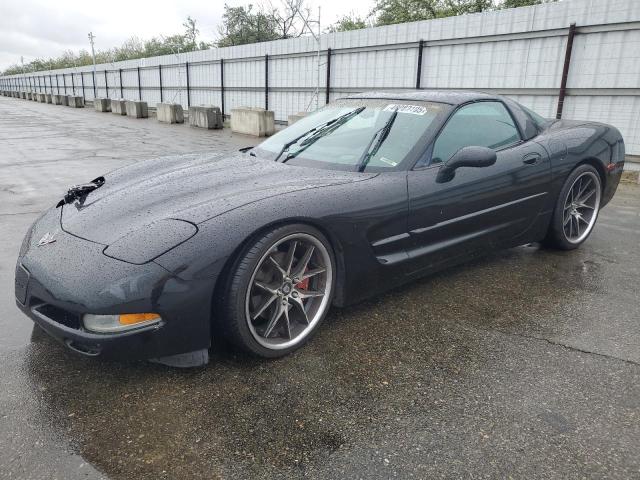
232,311
557,237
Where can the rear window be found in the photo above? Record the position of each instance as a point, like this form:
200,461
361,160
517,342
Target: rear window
539,120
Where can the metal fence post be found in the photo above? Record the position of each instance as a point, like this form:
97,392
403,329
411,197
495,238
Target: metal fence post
327,90
186,64
106,84
73,85
121,90
84,98
266,81
419,69
160,80
139,86
93,82
222,86
565,70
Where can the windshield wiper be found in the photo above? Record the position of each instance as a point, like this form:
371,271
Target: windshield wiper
318,132
381,135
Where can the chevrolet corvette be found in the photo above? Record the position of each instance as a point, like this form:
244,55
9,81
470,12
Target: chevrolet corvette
154,260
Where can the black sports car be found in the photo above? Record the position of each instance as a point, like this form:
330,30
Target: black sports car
153,260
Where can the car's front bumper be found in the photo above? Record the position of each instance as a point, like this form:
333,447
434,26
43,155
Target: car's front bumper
58,282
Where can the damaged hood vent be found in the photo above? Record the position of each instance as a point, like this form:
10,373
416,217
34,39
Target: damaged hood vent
78,192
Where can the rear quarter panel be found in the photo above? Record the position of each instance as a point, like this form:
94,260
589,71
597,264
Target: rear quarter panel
571,143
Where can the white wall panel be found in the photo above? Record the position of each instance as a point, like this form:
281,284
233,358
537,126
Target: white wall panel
606,60
375,69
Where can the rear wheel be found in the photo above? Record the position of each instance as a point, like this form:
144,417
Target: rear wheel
576,209
280,291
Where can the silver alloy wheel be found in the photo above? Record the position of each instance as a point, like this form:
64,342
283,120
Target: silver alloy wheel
289,291
581,207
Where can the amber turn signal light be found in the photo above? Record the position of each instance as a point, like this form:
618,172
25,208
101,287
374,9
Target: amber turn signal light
133,318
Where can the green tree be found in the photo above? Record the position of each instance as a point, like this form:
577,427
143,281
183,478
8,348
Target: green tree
347,23
242,25
387,12
522,3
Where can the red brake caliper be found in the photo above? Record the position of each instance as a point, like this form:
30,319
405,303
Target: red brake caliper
303,285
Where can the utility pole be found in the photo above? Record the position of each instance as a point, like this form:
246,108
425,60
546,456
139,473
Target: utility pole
93,52
22,62
316,37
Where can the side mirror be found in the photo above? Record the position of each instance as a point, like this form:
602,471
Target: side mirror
466,157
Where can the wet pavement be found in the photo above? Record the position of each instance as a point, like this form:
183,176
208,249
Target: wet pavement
524,364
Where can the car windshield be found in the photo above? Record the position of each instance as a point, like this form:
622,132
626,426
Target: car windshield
354,134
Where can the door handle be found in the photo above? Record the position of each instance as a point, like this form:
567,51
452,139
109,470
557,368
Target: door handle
531,159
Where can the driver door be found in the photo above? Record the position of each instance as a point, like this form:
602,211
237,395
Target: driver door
479,208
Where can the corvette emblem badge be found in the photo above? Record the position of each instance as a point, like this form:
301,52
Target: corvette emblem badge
47,239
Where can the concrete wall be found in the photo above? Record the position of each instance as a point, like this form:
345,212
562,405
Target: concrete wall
517,52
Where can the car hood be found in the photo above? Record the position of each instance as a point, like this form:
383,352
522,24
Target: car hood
193,188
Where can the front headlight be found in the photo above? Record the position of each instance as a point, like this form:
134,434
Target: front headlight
119,323
151,241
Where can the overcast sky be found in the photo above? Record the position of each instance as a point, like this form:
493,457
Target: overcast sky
45,28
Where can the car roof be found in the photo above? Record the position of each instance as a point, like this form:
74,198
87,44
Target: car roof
452,97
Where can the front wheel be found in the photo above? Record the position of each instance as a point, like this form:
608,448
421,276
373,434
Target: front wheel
280,291
576,209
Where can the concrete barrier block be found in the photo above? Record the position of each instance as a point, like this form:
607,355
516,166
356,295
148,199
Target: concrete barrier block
59,99
42,97
170,113
48,97
102,104
23,95
34,96
295,117
119,106
253,121
75,101
205,116
137,109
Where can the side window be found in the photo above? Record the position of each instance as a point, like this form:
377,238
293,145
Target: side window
481,124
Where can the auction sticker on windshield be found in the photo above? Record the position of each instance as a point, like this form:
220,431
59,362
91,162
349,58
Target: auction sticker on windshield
413,109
